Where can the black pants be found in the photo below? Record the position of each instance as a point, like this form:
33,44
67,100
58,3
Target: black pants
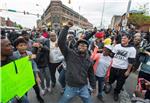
147,77
52,68
37,90
117,74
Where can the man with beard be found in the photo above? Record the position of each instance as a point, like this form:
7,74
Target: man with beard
79,69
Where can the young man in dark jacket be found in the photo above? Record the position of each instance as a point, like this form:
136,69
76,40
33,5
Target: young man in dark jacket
79,69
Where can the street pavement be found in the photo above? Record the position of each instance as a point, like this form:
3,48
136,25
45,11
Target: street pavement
55,95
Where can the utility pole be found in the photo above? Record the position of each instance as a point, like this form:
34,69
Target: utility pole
127,13
102,14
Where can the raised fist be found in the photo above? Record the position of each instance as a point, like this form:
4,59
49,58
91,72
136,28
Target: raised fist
69,24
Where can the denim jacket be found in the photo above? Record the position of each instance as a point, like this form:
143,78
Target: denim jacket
17,55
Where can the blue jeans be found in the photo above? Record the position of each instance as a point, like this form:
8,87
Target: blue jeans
71,92
45,74
23,99
100,85
62,79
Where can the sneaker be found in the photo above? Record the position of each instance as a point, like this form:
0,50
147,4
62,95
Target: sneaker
49,89
116,97
43,92
100,98
107,88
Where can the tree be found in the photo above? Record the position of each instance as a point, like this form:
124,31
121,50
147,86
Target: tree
138,20
19,26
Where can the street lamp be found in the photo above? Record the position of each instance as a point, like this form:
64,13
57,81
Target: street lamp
43,11
42,8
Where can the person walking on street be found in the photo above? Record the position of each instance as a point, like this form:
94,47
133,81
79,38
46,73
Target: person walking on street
124,56
101,66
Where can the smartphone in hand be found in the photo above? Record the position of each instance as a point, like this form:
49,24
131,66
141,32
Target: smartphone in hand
142,83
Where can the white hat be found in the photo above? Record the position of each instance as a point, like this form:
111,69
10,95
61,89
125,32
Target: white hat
109,47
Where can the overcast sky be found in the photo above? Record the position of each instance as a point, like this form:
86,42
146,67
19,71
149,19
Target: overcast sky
91,9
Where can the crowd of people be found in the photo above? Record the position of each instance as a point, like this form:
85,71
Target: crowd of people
102,56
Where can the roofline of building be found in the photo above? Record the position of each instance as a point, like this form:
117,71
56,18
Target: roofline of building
74,11
67,8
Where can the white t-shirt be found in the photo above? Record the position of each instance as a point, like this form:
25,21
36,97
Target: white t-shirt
122,54
55,53
103,64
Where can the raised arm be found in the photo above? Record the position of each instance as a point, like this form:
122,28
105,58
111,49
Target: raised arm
62,39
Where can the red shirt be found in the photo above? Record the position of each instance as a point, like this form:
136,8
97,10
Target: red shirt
45,34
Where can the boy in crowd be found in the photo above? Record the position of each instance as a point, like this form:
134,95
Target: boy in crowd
22,46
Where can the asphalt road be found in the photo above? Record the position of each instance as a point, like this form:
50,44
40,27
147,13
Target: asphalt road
55,95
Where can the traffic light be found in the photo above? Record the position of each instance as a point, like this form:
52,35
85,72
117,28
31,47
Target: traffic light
24,12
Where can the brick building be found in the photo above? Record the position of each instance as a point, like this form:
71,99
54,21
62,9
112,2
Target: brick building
9,22
57,14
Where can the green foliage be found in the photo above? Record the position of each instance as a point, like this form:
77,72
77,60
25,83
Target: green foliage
138,19
19,26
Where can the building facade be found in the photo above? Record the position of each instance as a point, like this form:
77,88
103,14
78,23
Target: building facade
2,21
116,19
57,14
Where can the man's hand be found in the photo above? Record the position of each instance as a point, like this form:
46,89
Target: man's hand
69,24
138,92
95,44
33,56
127,73
36,45
147,84
38,80
146,52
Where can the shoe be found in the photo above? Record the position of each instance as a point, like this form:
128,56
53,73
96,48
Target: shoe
42,92
49,89
53,85
100,98
107,88
116,97
40,99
